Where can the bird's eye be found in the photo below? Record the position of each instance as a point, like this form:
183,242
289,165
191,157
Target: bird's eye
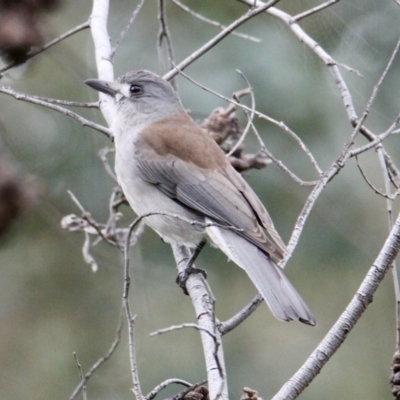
135,89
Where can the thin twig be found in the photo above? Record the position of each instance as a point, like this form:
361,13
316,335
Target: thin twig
389,206
314,10
165,384
130,317
41,49
263,147
126,29
332,65
249,116
369,183
62,110
183,326
181,395
211,43
67,102
84,394
367,109
164,36
378,139
100,361
212,22
87,217
103,157
340,330
242,315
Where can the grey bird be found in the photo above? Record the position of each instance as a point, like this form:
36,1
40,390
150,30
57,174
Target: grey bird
166,163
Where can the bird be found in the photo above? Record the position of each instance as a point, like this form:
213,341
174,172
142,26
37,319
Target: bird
172,170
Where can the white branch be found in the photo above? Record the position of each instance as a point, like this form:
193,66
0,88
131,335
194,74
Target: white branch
338,333
203,304
103,53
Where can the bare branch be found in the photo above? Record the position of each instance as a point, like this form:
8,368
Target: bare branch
212,22
100,361
84,394
369,104
242,315
183,326
229,29
103,157
164,36
369,183
126,29
62,110
338,333
102,47
165,384
181,395
41,49
378,139
262,145
67,102
332,65
130,317
203,304
249,116
389,206
314,10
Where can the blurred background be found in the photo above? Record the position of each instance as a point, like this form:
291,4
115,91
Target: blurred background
52,304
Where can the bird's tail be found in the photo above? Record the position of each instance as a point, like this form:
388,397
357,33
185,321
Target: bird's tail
281,297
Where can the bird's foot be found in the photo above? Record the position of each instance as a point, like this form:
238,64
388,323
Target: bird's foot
184,275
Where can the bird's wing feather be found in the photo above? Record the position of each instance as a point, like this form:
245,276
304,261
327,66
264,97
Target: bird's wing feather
212,194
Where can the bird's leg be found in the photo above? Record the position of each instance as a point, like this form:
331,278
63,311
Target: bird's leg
189,269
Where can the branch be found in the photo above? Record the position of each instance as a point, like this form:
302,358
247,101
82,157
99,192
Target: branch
314,10
389,206
41,49
210,44
62,110
130,317
212,22
241,316
203,304
103,53
338,333
126,29
333,67
100,361
164,33
165,384
84,393
262,145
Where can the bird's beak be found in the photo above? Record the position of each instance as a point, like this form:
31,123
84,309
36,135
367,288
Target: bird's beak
103,86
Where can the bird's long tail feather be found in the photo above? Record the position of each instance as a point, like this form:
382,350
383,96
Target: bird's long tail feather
281,297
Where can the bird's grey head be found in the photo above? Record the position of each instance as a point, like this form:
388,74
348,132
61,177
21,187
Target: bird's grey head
140,92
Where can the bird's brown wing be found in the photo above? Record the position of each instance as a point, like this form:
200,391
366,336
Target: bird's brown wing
217,192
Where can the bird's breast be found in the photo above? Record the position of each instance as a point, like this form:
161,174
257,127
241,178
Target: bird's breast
146,199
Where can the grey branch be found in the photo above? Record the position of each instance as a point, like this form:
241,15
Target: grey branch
214,23
232,323
55,107
263,147
338,333
130,317
165,384
229,29
41,49
203,304
99,362
314,10
126,29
